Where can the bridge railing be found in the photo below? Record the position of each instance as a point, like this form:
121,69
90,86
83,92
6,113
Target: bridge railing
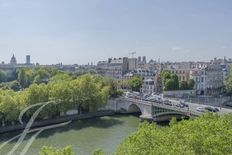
162,105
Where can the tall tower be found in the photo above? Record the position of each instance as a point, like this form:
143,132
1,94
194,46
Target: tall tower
144,60
28,59
13,60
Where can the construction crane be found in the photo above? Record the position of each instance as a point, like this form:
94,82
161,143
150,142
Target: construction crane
132,54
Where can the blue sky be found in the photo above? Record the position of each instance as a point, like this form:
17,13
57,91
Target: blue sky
82,31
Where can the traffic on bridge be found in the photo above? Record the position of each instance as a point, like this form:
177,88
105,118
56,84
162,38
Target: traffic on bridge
174,104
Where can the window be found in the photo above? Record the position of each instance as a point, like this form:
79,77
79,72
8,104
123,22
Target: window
202,79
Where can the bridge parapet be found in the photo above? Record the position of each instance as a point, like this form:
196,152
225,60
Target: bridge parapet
184,111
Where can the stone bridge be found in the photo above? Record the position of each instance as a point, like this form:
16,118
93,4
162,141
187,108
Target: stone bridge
150,111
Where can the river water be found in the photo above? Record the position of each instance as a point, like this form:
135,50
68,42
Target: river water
83,136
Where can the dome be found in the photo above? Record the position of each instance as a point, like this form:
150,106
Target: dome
13,60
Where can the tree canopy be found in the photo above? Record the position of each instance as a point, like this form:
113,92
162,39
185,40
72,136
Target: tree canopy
86,93
55,151
208,134
2,76
170,80
228,82
135,83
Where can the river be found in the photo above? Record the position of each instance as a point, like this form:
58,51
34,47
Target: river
83,136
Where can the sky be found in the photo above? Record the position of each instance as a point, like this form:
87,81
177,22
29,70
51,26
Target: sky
82,31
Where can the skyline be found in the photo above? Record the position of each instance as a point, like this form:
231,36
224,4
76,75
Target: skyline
79,32
24,60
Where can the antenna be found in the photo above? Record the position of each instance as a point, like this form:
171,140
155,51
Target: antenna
132,54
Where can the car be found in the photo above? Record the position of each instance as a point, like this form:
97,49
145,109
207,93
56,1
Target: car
210,109
137,97
167,102
151,99
180,105
217,109
184,104
200,109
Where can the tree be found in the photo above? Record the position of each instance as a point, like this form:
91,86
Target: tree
8,106
207,134
22,78
170,81
113,87
98,152
2,76
92,93
191,83
184,85
228,82
86,93
59,77
25,77
15,85
54,151
135,83
37,94
41,75
165,74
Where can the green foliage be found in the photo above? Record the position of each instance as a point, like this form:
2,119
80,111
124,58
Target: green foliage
187,85
98,152
8,106
135,83
86,94
184,85
208,134
14,85
171,81
42,75
124,84
119,93
2,76
228,82
25,77
54,151
114,88
191,83
165,74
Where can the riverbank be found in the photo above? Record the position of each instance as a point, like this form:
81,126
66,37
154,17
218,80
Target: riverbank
61,119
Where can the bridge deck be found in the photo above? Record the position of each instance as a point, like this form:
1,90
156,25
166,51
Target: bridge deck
191,111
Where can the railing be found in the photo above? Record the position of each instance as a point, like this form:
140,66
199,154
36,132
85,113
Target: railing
187,112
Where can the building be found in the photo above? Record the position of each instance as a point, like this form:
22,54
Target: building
114,68
214,79
208,80
144,73
13,60
158,85
182,70
199,77
148,86
132,64
28,59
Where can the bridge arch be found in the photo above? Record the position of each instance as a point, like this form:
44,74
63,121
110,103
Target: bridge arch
133,108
